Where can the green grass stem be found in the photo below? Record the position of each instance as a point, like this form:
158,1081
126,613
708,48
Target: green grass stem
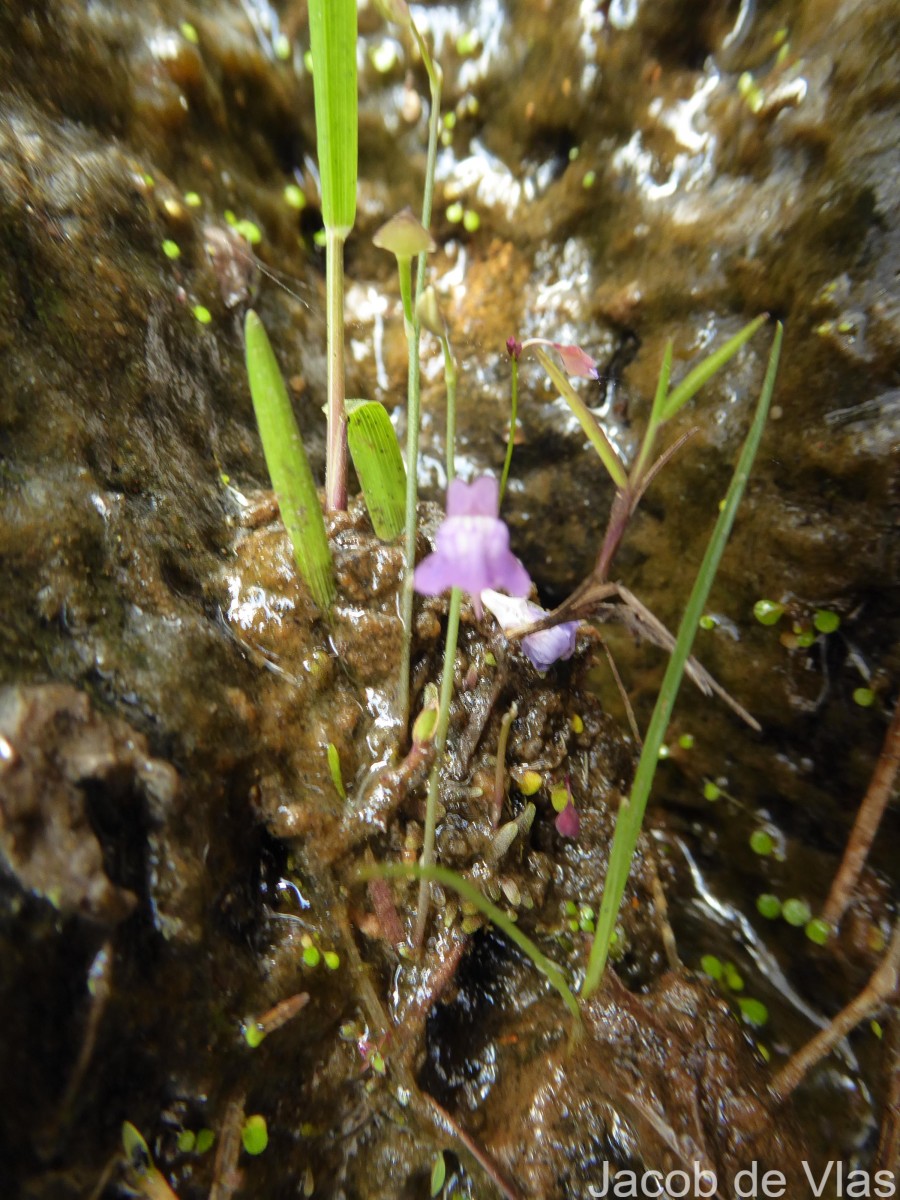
631,812
288,465
447,673
332,36
336,444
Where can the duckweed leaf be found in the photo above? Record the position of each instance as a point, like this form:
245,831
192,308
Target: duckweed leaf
753,1011
255,1134
376,456
288,465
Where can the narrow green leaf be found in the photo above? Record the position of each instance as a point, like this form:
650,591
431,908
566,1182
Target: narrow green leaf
288,465
703,372
662,385
332,37
586,418
468,891
379,465
645,453
631,811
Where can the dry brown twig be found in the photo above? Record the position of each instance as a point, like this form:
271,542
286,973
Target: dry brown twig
866,825
598,601
881,987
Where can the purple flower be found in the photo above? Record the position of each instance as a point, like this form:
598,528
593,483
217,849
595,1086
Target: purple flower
472,546
543,648
576,361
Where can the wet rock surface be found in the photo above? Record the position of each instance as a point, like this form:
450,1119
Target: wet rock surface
173,846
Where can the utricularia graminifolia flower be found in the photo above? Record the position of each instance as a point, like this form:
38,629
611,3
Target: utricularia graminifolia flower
472,546
473,554
544,648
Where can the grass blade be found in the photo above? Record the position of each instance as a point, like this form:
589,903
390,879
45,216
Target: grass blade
637,477
376,455
631,813
288,465
586,418
332,37
694,380
468,891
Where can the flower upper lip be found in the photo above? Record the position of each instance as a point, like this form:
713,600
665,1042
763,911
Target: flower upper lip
472,546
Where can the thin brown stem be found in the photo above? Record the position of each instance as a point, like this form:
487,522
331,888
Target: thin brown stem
507,1189
866,825
619,516
878,990
629,711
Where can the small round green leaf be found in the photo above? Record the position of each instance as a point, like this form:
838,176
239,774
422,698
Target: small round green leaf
753,1011
761,842
796,912
711,966
768,612
818,931
825,620
255,1134
768,906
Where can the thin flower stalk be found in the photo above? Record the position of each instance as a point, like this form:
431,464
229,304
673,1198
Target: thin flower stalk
440,742
514,350
447,672
413,390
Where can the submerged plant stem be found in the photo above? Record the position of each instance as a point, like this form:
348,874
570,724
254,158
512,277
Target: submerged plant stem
336,450
877,992
866,825
440,741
